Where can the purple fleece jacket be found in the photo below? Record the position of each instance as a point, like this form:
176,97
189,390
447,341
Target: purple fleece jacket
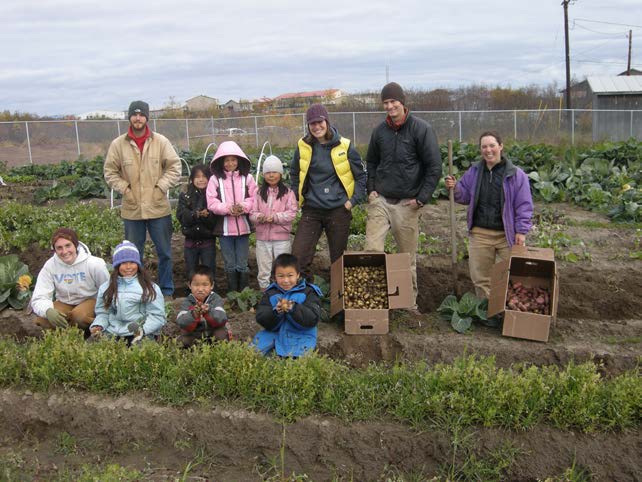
517,201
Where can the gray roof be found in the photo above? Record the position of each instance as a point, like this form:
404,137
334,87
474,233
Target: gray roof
631,84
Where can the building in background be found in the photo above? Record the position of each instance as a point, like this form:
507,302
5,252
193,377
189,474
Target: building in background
102,114
295,100
201,103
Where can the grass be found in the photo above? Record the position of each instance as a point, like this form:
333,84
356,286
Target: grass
615,340
472,391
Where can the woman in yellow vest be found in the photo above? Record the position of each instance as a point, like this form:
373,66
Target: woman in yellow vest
328,178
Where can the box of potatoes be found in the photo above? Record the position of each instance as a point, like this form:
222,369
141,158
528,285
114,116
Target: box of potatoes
365,286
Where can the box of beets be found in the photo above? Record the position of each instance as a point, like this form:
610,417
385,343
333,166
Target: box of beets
525,289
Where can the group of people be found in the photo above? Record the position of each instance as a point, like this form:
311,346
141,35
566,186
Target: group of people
327,179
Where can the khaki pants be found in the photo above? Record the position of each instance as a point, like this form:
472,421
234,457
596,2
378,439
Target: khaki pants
266,253
403,221
486,245
80,315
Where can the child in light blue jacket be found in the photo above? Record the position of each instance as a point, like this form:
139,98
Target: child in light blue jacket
129,305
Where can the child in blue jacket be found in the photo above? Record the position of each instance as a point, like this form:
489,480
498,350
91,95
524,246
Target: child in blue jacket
289,311
129,305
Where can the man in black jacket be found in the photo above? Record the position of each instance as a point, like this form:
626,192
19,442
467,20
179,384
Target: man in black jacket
404,166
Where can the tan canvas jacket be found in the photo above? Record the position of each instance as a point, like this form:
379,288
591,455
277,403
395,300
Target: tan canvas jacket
149,176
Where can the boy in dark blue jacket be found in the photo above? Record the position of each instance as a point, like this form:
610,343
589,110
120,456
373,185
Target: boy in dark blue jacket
289,311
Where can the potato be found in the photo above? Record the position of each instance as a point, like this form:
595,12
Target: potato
365,287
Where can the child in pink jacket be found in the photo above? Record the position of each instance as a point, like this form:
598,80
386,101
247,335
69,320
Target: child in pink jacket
273,211
230,194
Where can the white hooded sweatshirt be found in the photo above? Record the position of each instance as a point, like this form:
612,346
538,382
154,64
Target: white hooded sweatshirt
72,283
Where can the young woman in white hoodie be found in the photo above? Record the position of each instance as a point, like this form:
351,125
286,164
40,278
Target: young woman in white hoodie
67,284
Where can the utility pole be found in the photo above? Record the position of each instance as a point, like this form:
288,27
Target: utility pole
387,74
568,55
628,64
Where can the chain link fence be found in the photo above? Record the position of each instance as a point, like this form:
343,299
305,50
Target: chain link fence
42,142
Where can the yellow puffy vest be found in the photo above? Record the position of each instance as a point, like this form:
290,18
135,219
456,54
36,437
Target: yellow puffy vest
340,161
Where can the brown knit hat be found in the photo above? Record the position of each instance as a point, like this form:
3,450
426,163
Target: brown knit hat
65,233
393,91
316,113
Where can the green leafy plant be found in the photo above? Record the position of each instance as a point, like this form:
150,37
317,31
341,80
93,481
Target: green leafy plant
15,283
324,286
246,299
461,313
548,235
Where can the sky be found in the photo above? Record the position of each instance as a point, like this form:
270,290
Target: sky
70,57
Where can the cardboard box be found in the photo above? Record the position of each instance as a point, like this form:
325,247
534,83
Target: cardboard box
534,267
399,281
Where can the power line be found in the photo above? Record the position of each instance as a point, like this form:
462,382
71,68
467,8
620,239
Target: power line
595,47
599,62
610,34
607,23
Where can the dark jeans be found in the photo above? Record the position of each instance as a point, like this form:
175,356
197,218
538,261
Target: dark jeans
197,255
160,230
335,223
235,251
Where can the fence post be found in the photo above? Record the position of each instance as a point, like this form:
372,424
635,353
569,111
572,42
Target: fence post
573,127
28,142
256,130
187,131
631,130
354,129
118,127
515,124
459,115
155,125
212,120
303,118
77,137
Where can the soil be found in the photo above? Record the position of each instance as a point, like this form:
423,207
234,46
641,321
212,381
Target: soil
234,444
598,320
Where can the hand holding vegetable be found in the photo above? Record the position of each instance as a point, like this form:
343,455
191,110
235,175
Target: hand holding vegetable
96,331
56,318
284,305
236,210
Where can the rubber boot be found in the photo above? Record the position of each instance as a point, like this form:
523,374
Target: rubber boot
232,281
243,279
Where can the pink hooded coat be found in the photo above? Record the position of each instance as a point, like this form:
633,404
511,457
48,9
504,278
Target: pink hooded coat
223,192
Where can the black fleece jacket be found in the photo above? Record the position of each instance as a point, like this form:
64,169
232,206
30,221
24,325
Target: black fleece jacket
404,163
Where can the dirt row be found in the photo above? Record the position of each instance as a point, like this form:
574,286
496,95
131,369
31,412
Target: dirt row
234,443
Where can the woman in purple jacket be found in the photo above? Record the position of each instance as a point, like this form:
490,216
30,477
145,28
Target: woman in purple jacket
500,207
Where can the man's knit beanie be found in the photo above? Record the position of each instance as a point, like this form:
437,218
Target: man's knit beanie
393,91
272,164
124,252
65,233
138,107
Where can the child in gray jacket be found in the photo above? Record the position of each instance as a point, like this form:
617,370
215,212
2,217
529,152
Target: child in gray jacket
201,315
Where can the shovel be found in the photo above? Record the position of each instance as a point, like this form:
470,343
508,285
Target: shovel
453,227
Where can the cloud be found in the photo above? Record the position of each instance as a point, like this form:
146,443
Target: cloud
68,56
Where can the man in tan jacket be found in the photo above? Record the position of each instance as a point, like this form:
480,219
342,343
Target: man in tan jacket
142,165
